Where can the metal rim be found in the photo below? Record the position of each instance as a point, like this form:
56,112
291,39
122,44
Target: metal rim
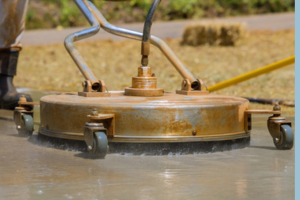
136,139
170,118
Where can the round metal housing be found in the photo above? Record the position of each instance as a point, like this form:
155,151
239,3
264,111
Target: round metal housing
169,118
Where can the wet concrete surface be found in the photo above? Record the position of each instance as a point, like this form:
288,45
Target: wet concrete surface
43,168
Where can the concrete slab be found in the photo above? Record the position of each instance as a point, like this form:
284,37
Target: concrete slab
34,168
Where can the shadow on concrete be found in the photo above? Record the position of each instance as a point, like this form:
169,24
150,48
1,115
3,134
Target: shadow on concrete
264,147
86,155
6,119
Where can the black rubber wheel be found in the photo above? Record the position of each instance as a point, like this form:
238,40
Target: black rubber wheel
26,128
286,140
100,145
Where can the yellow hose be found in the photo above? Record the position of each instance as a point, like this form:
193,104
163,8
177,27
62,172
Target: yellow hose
251,74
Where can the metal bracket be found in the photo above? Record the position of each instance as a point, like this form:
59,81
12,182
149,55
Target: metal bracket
23,104
88,90
274,122
186,88
89,130
108,121
248,117
98,122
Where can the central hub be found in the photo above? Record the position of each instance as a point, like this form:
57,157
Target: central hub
144,80
145,84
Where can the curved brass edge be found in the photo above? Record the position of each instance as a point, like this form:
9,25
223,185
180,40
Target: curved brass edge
178,139
149,139
150,92
61,134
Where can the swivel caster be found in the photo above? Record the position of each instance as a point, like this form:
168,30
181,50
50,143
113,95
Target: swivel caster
285,140
281,131
279,128
25,125
95,136
100,145
23,117
24,122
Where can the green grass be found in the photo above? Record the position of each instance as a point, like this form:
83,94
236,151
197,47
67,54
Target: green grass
64,13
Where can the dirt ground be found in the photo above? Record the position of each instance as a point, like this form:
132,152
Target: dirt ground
50,68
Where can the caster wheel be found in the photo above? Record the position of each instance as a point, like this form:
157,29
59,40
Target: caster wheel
100,145
286,140
26,127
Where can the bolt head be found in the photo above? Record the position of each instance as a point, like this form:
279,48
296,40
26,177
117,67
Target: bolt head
23,98
276,107
194,132
94,112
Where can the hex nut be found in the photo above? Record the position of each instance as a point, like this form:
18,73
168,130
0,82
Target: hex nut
94,112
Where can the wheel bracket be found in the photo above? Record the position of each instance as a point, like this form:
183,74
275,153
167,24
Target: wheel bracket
18,113
98,122
89,130
274,122
187,89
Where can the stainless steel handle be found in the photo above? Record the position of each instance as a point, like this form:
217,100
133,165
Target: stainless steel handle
165,49
74,53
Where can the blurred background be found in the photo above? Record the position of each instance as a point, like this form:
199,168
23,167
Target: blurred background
261,32
64,13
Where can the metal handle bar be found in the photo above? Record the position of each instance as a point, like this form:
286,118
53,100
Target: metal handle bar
74,53
165,49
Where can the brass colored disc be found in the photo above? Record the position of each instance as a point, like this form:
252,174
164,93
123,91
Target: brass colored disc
168,118
144,92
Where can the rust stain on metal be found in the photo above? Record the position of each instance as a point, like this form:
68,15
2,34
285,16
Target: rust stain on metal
144,84
170,118
108,121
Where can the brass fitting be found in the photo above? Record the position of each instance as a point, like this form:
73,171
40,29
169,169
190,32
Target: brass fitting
144,84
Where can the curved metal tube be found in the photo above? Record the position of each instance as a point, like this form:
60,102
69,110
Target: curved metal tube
149,19
165,49
74,53
145,51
